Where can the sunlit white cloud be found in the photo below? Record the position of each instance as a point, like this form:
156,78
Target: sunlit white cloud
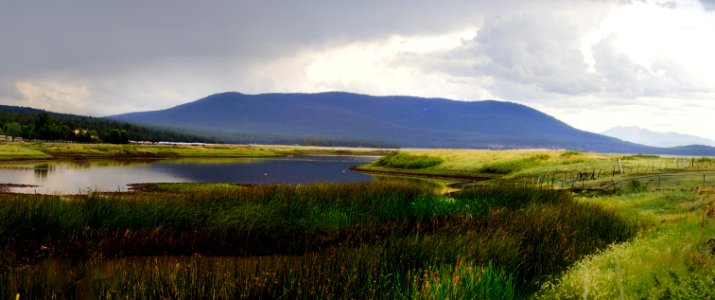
54,95
398,65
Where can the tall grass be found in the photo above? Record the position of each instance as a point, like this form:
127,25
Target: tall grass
671,258
364,240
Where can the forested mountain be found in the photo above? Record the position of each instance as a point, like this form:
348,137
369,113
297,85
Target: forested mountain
30,123
346,118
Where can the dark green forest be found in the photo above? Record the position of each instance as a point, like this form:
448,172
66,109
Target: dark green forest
33,124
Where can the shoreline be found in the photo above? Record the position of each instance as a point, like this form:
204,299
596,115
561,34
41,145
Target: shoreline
23,152
419,175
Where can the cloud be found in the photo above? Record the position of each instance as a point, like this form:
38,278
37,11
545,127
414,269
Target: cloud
708,4
74,34
53,95
541,51
399,65
565,57
154,54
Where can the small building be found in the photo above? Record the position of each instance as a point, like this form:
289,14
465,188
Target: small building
17,139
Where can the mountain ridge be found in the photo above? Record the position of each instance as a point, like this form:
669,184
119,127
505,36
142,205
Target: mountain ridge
401,120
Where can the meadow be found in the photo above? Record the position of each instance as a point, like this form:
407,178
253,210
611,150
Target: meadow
369,240
554,169
509,235
671,198
672,257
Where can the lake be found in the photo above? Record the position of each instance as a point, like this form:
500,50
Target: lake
73,177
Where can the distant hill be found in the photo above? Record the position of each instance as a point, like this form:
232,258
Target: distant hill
31,123
656,139
346,118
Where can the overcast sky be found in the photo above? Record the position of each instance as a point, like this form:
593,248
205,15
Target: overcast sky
594,64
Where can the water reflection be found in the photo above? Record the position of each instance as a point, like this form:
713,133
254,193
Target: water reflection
69,177
275,170
42,170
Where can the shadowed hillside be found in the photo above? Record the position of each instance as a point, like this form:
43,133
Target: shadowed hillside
30,123
398,120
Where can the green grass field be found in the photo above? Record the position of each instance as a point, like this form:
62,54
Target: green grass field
562,169
671,258
374,240
389,239
34,151
16,151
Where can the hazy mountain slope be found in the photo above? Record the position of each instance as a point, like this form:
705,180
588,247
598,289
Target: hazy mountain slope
405,121
656,139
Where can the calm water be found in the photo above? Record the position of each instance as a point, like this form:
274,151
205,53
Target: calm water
71,177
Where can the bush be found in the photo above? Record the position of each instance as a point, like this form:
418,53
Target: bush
511,166
635,186
570,153
407,161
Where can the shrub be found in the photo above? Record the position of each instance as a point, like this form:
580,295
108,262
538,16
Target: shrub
511,166
635,186
407,161
570,153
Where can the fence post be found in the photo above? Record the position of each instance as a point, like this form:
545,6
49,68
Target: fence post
614,185
658,182
573,181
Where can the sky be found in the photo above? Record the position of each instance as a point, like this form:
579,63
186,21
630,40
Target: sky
593,64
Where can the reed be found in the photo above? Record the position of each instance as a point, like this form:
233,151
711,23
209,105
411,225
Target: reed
363,240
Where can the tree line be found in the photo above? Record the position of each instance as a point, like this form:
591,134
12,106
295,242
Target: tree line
40,125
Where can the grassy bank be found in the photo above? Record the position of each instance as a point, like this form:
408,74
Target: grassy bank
27,151
536,168
20,151
672,198
671,258
378,240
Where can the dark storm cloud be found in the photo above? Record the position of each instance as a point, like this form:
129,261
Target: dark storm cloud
106,57
118,44
73,34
